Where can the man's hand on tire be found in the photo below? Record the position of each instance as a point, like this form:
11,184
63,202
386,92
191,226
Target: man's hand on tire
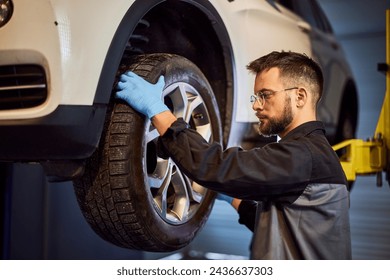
141,95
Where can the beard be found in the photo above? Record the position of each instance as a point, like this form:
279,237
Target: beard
274,126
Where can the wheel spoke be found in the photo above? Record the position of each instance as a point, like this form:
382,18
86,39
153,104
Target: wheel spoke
194,101
152,134
177,95
172,197
161,179
197,192
205,131
182,203
161,173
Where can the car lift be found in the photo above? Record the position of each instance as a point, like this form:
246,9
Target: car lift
371,156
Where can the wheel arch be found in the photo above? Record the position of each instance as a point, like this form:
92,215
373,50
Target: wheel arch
192,29
115,51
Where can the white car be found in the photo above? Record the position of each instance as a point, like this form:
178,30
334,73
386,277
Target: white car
59,63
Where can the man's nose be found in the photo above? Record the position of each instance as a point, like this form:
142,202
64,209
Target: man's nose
256,106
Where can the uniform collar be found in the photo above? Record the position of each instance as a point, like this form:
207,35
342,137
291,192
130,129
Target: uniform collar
304,129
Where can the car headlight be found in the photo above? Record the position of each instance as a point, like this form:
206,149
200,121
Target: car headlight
6,9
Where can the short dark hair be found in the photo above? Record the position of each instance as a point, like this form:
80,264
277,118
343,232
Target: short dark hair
293,67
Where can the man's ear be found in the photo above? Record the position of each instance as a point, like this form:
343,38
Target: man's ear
301,97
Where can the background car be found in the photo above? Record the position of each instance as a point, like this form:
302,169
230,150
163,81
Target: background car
59,68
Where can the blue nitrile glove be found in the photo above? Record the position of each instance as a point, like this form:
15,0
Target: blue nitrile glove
225,197
143,96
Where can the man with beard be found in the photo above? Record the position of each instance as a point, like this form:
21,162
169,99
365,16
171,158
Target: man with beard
293,193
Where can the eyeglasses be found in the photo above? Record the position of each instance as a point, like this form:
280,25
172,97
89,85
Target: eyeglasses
262,96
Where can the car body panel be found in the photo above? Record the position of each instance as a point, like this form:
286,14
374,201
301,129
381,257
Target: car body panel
69,44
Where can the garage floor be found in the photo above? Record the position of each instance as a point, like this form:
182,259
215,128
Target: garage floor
370,220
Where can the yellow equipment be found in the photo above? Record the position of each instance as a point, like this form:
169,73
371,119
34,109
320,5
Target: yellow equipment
371,156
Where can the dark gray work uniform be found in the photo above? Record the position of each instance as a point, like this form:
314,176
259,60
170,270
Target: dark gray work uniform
299,184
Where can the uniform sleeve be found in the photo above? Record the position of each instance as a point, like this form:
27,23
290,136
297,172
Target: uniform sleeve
273,170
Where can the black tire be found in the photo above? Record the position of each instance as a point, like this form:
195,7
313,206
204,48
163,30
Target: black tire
128,195
347,127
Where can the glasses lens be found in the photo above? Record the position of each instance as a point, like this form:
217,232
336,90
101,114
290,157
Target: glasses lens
257,98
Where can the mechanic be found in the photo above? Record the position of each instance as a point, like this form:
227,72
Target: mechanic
296,185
